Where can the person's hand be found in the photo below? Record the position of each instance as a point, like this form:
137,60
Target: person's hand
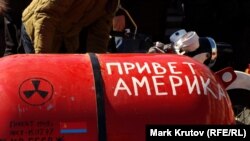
119,23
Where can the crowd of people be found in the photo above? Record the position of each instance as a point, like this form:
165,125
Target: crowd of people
80,26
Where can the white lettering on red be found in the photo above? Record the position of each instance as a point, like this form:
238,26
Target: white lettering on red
128,67
193,86
162,80
174,83
122,86
136,83
143,68
206,87
190,65
119,67
157,83
158,68
172,67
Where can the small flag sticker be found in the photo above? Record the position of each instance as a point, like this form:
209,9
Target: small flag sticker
73,128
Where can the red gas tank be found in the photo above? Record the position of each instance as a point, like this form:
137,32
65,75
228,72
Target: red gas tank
99,97
248,69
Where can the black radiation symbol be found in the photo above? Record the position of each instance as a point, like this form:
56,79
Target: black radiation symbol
36,91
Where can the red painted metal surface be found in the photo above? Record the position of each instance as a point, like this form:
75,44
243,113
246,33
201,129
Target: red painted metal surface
248,69
48,97
43,95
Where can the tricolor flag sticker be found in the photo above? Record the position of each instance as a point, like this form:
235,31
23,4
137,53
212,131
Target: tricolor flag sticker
73,128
